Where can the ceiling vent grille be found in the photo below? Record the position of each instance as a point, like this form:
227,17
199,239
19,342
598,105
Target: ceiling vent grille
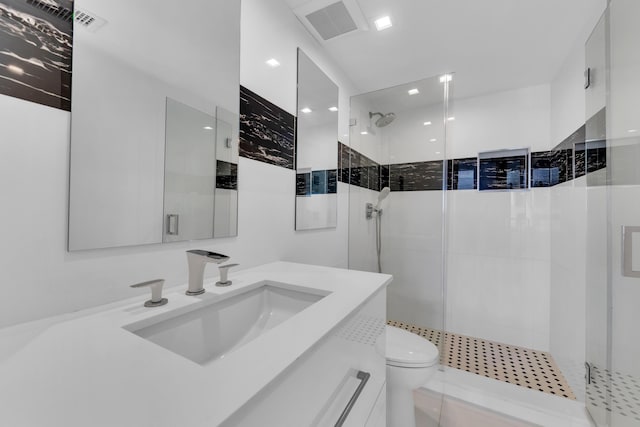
88,20
328,19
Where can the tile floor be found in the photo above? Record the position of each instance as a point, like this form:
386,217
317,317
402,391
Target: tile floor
524,367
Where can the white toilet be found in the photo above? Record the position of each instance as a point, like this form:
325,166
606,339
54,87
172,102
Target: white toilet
411,361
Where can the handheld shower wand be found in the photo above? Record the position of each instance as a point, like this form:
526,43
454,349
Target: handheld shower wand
378,211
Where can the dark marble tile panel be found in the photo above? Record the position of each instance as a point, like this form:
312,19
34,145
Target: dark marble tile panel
226,175
266,131
562,165
541,169
596,155
384,176
332,181
462,174
344,154
503,173
419,176
37,38
579,161
303,184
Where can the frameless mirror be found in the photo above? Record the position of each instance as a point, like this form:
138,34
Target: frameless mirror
142,73
316,148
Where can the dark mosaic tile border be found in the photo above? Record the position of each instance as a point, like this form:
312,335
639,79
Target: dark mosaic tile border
266,131
357,169
462,174
418,176
496,173
572,158
226,175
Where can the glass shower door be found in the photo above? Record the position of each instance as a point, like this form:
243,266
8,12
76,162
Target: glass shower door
616,400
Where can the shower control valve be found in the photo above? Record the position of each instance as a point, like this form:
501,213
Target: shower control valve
369,210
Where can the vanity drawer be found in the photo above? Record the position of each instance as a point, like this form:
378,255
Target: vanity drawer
316,390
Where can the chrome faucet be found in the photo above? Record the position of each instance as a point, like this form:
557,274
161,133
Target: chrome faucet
197,260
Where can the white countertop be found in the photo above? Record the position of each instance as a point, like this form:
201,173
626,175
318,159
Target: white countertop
84,369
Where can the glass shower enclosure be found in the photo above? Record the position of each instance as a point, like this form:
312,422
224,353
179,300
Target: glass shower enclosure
398,143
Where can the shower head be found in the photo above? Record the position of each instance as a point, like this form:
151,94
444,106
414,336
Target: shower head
384,120
383,195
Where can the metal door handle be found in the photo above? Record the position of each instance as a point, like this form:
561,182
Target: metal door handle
363,377
172,224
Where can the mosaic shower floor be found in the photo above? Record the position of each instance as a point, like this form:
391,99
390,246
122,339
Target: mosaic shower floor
524,367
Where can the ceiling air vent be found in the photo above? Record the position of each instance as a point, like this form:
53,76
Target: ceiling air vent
88,20
327,19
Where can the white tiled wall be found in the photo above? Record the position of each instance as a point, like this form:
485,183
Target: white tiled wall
498,242
40,278
498,266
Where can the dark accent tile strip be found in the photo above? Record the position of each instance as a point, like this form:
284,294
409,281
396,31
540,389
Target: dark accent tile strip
266,131
226,175
357,169
462,174
332,181
503,173
384,176
419,176
303,184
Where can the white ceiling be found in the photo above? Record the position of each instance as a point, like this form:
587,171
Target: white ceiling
491,45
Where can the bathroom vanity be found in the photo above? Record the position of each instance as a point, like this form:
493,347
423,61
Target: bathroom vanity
286,344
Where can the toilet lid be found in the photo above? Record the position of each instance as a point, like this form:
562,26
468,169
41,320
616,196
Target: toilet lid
406,349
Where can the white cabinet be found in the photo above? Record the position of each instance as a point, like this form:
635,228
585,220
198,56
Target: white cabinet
316,389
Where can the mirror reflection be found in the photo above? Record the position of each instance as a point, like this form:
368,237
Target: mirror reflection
316,148
132,79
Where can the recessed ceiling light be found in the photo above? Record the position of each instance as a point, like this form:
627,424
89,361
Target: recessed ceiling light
306,110
413,91
15,69
432,140
333,109
632,130
446,78
427,123
364,132
273,63
383,23
437,152
207,128
451,119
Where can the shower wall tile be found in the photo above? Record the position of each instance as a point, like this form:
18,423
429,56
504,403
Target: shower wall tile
343,162
462,174
384,176
303,184
503,173
579,159
266,131
542,173
357,169
419,176
562,160
332,181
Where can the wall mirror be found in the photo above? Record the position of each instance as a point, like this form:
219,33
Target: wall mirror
316,148
137,85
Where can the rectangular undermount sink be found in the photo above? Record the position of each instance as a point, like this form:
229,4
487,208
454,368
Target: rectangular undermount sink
215,328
